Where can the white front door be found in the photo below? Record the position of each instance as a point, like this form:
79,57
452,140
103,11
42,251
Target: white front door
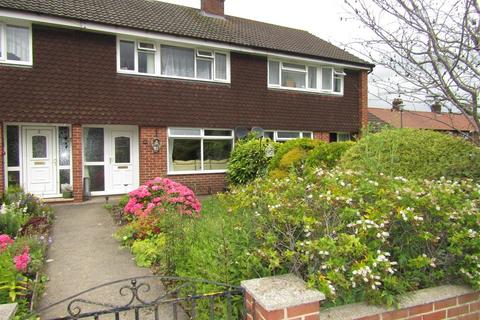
121,161
40,160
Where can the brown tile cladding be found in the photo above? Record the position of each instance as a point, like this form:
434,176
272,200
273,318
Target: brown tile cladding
74,80
2,159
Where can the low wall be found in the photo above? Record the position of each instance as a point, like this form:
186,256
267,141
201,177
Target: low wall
288,298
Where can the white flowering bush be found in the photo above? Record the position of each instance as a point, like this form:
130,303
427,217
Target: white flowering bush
358,238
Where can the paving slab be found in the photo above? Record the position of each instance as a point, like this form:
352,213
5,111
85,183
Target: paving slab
84,255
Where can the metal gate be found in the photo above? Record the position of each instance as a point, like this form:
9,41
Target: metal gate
151,297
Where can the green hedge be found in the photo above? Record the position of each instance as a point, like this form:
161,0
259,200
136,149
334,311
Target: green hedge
414,154
327,154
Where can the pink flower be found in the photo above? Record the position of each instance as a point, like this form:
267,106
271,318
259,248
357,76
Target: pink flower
5,241
21,261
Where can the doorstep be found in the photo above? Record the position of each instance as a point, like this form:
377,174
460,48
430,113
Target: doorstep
57,200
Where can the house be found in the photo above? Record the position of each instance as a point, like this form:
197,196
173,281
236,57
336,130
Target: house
103,95
452,123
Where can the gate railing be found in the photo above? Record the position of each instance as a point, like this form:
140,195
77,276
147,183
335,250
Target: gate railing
151,297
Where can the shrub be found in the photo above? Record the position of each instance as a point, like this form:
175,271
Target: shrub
327,154
356,238
249,160
414,154
161,194
149,251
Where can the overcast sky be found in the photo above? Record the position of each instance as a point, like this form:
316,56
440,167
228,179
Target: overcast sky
327,19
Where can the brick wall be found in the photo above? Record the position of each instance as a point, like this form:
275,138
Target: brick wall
445,302
77,162
324,136
2,160
363,98
74,80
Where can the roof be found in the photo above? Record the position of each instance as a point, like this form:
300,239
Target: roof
152,15
421,120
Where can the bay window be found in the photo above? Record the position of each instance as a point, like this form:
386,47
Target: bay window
15,44
297,76
194,150
153,58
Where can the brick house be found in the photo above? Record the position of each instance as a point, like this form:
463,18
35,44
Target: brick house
120,92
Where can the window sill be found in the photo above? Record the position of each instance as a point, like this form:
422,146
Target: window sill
323,93
149,75
181,173
16,64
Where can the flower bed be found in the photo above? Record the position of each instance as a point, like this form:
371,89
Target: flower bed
25,224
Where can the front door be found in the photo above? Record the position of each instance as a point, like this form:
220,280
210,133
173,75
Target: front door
40,161
123,174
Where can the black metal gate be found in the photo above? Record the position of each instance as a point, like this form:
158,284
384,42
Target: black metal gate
151,297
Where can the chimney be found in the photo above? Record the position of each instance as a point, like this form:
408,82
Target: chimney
436,107
213,7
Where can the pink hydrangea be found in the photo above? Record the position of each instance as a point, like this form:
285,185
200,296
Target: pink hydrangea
161,192
21,261
5,241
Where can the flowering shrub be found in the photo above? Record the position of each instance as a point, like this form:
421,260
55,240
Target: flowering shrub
161,194
359,238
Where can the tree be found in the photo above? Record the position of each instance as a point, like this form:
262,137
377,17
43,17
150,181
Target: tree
432,46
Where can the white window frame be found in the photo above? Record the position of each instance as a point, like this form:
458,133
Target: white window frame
158,61
3,42
202,137
345,134
336,72
300,135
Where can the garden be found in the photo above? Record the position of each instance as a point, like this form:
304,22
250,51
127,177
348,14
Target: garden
370,220
25,224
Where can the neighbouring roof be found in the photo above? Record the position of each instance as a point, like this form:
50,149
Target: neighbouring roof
421,120
189,22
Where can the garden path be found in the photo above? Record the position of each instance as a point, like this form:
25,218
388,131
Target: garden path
84,255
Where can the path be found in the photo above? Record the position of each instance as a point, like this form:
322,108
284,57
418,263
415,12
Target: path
84,255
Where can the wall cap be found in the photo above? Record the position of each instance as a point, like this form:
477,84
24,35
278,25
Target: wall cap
415,298
280,292
7,311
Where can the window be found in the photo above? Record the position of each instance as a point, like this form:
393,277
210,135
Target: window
304,77
154,58
340,136
93,151
15,44
13,156
199,150
282,136
64,149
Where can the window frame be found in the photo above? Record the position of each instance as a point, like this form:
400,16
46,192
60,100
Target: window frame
3,43
158,59
337,72
202,137
301,134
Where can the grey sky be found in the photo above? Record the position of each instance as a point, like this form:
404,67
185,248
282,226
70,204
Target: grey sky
327,19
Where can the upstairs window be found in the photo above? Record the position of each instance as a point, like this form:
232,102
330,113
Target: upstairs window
298,76
148,57
15,44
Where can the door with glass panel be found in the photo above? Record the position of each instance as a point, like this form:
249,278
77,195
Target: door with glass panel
40,161
121,162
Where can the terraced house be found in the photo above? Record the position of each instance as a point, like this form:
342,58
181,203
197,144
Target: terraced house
122,91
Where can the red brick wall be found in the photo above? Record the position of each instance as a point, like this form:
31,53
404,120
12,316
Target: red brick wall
203,183
77,162
308,311
214,7
2,161
466,307
74,80
324,136
363,98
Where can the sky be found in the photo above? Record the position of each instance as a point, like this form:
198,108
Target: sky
327,19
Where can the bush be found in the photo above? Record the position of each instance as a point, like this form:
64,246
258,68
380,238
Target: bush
162,194
249,160
327,155
291,155
414,154
356,238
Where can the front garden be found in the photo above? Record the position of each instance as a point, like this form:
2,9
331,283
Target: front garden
366,221
25,223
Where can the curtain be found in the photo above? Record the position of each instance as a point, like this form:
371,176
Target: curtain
178,61
220,66
18,43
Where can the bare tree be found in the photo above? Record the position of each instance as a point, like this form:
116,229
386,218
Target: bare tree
433,46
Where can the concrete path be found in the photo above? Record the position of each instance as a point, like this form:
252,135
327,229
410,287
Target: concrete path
84,255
